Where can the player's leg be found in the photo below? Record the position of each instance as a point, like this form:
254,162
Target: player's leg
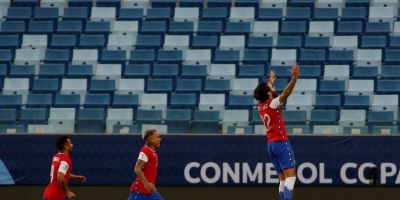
275,162
287,162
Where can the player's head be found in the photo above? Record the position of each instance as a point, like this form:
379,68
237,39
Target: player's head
263,92
152,138
64,144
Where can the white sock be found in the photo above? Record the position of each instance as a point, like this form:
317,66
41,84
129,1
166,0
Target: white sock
289,185
281,189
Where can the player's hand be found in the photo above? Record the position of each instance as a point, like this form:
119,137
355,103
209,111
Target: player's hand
295,71
82,179
70,195
150,187
271,78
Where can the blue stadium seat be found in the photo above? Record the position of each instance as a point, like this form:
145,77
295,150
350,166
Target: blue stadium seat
240,102
378,28
394,42
22,71
226,56
19,13
317,42
206,122
39,100
67,100
131,14
391,56
259,42
148,41
358,3
25,3
294,27
63,42
8,116
136,71
165,70
181,28
108,3
178,121
76,13
311,71
9,27
33,116
170,56
102,86
380,118
373,42
295,117
80,3
194,71
328,102
9,42
329,14
340,57
51,71
183,101
324,117
356,102
256,56
251,71
204,42
215,14
353,14
158,14
301,3
246,3
142,56
153,27
270,14
365,73
191,3
80,71
332,86
113,57
125,101
349,28
92,41
46,14
3,70
10,101
388,86
57,56
91,120
234,28
149,116
41,27
69,27
163,3
390,72
210,27
6,56
102,28
97,100
189,85
298,13
255,118
159,85
217,86
289,42
219,3
312,56
46,86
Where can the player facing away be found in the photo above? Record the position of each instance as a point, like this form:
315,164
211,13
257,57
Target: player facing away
143,188
279,148
60,172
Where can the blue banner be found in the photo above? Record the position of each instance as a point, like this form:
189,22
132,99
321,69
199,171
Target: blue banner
204,160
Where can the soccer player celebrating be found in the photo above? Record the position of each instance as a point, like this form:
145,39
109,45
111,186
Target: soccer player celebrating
60,173
143,188
279,148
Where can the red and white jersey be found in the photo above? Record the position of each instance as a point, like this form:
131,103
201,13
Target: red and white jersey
271,115
149,156
61,163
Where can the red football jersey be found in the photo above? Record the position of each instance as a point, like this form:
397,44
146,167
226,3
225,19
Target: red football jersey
150,170
61,163
271,114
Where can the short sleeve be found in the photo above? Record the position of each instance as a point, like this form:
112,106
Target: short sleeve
63,167
143,157
275,103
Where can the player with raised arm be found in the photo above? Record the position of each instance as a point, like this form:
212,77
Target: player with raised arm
60,172
143,188
279,148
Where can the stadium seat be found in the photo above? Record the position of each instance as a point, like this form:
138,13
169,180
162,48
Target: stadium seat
390,72
10,101
326,14
336,72
217,86
294,27
226,57
222,71
39,100
125,101
378,28
380,118
361,87
241,14
356,102
28,57
159,85
73,86
234,118
344,42
204,42
136,71
149,116
33,116
63,41
118,117
230,42
210,27
91,120
298,13
240,102
130,86
391,57
96,101
142,56
19,13
178,121
120,42
108,71
9,41
11,27
206,122
16,86
102,28
103,14
170,56
22,71
287,42
46,86
46,14
381,14
332,87
135,4
375,42
154,101
306,86
251,71
57,56
182,14
273,4
312,56
8,116
174,42
80,71
180,28
67,101
321,28
385,102
283,57
194,71
352,117
259,42
365,72
189,85
125,27
183,101
295,117
300,102
198,57
394,42
324,117
130,14
215,14
353,13
165,70
317,42
102,86
76,13
212,102
243,86
349,28
69,27
85,56
113,57
388,86
153,27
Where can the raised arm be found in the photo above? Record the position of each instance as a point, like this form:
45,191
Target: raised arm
290,86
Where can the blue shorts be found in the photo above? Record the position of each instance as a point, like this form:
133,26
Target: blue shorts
138,196
282,155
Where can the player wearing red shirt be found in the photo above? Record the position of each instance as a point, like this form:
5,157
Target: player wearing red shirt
279,148
60,173
143,188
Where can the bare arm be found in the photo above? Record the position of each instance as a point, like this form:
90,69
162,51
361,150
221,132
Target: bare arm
64,186
139,173
289,88
270,83
81,178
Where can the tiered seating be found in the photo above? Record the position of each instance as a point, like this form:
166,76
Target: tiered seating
191,66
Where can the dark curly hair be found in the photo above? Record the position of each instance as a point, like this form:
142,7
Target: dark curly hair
261,92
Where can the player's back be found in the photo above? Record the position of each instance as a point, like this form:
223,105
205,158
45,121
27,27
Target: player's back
60,163
271,114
